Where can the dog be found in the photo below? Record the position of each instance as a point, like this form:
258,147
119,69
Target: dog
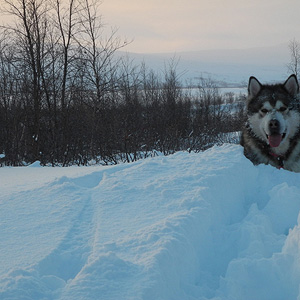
272,131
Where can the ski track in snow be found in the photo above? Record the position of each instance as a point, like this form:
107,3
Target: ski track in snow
188,226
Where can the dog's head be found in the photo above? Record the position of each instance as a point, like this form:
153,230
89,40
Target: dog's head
270,112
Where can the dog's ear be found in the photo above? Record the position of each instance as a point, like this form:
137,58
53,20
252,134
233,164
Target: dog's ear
291,85
254,87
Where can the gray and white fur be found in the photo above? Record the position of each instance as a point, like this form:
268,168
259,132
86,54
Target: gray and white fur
272,131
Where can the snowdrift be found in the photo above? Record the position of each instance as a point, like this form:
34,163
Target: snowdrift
188,226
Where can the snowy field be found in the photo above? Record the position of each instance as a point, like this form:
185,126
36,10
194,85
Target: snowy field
188,226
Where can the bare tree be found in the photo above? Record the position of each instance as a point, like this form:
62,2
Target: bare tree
30,31
98,48
66,21
294,65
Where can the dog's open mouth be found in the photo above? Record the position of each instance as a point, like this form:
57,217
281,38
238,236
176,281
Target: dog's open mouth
275,139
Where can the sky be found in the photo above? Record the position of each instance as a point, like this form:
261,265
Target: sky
156,26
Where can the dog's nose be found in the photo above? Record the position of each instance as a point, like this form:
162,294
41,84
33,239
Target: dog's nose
274,126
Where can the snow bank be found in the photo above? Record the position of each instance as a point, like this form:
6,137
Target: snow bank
189,226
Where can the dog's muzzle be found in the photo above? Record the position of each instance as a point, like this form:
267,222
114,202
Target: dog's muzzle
274,127
275,137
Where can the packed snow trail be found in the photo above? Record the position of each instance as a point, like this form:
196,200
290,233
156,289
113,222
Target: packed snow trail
188,226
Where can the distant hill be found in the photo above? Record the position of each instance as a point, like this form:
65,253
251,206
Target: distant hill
230,67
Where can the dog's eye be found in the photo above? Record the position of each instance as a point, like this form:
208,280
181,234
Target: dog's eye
282,109
264,110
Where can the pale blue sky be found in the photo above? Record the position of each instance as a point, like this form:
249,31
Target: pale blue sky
187,25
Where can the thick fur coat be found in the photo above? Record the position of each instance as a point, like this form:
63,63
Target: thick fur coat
272,131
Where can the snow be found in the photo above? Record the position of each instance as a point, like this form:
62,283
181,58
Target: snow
202,226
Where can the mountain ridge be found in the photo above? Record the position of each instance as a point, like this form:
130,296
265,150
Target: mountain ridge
231,66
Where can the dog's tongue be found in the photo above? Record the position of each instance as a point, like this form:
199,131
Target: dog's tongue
275,140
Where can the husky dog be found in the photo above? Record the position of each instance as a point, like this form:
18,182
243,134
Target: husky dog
272,133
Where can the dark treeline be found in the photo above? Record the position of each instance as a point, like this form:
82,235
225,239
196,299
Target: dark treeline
67,98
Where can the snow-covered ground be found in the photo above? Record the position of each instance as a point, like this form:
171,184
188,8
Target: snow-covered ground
188,226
